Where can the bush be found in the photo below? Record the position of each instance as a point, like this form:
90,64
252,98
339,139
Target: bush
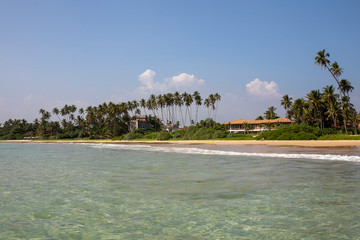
304,136
118,138
152,135
162,136
294,132
286,136
219,134
327,131
178,133
133,135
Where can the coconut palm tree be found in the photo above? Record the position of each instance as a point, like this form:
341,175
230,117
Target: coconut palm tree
169,103
322,60
143,105
198,100
299,109
270,113
207,105
217,98
188,100
178,101
212,103
315,101
329,94
286,101
56,112
332,112
161,104
345,87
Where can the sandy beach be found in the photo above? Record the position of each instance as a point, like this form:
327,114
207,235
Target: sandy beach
305,143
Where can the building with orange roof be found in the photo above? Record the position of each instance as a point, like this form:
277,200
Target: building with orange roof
255,126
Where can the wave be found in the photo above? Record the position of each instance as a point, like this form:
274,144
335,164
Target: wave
200,151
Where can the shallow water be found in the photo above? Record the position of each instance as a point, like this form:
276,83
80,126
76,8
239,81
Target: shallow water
85,191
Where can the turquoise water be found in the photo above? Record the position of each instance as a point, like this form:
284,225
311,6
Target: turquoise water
74,191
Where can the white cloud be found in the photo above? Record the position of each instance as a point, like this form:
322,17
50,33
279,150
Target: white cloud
263,89
147,82
183,81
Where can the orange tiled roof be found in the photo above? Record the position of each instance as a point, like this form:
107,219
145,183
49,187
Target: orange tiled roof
241,121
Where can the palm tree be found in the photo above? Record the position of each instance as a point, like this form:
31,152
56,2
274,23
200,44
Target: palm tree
270,113
212,102
143,104
178,101
247,127
299,109
332,112
161,103
169,103
217,98
336,71
345,87
322,60
188,100
198,100
207,105
315,105
329,94
286,102
56,112
135,106
151,104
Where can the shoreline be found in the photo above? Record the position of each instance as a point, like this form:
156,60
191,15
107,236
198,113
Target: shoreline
298,143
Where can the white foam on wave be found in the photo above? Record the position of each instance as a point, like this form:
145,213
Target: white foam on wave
189,150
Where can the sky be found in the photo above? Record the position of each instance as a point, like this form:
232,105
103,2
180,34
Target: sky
252,53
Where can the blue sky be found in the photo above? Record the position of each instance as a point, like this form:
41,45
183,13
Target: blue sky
251,52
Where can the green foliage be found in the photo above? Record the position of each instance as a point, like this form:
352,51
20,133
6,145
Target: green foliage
219,134
164,135
292,132
304,136
339,137
135,134
151,135
240,136
118,138
179,133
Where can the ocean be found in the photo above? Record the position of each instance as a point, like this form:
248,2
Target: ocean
111,191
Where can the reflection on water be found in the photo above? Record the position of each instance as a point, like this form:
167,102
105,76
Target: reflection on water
63,191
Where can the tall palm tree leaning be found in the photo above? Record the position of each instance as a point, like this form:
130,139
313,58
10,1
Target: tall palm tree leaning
322,60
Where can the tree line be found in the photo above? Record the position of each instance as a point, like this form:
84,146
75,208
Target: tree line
109,120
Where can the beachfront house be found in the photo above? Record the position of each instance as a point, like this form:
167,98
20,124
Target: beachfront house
255,126
169,127
140,122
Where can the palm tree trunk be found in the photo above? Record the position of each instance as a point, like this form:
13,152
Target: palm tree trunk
342,102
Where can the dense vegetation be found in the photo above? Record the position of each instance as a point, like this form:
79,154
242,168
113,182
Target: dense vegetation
325,108
301,131
109,120
204,130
